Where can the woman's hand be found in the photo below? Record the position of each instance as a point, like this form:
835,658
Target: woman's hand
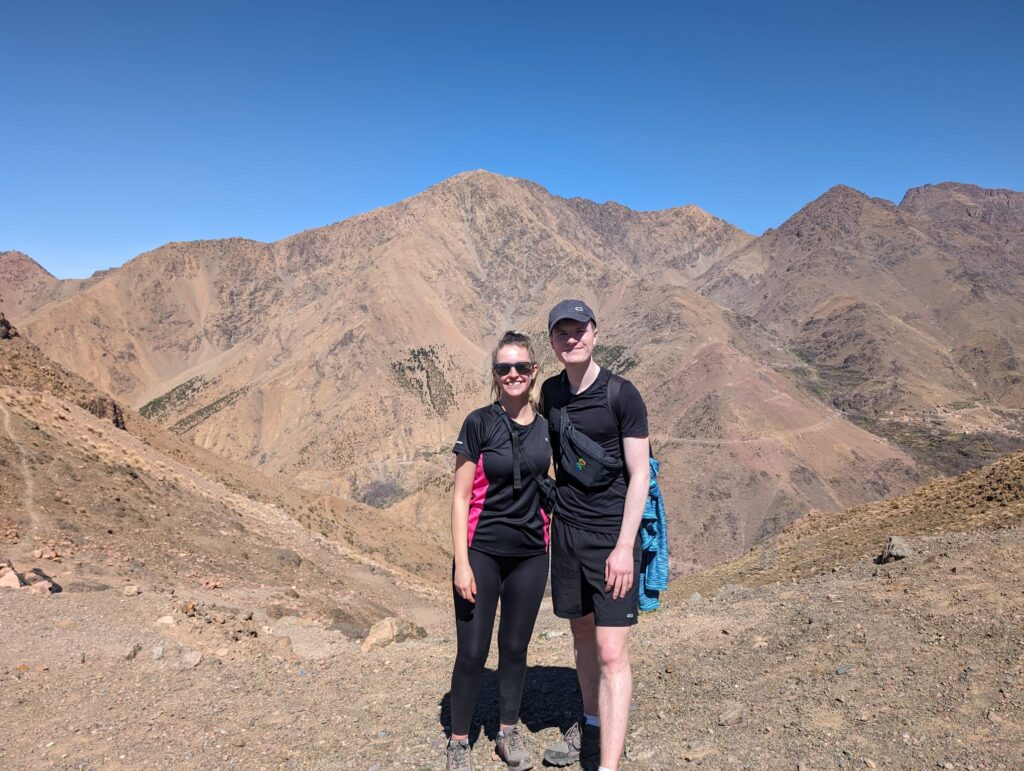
465,583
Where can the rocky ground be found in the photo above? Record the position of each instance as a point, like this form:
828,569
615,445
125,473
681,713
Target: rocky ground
914,664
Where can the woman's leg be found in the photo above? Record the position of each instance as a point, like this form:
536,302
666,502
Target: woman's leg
473,626
521,593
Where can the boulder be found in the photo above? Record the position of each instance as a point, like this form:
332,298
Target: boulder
391,630
9,578
895,548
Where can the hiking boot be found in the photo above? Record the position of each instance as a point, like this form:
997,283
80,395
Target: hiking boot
458,757
566,750
511,748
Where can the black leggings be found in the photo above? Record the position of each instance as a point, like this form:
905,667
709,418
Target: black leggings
519,583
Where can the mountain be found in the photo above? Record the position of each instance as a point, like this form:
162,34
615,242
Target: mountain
910,318
343,359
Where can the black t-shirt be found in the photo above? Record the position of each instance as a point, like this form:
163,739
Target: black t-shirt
597,509
500,522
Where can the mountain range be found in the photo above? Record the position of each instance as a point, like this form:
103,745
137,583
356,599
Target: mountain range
852,353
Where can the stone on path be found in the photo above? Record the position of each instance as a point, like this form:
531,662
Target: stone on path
732,716
191,659
391,630
166,620
133,651
9,578
131,591
895,548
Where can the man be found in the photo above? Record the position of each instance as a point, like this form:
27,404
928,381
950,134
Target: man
595,553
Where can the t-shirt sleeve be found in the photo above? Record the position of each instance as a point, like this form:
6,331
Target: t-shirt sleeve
632,411
470,439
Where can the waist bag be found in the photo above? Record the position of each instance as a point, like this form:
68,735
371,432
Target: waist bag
582,458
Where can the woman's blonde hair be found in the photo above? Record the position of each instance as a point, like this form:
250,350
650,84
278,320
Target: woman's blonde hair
522,340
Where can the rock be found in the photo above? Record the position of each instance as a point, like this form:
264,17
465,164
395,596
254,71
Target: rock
551,634
191,659
845,669
391,630
994,717
9,578
41,587
157,653
895,548
283,643
166,620
695,597
728,590
290,592
131,591
133,651
731,717
870,763
222,652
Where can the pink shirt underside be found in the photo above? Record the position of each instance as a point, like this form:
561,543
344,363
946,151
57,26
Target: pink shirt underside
476,502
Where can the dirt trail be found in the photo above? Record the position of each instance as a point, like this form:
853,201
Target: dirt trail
28,500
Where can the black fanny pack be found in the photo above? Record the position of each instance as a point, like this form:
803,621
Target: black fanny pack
582,458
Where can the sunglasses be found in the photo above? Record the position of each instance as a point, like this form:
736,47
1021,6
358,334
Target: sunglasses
524,368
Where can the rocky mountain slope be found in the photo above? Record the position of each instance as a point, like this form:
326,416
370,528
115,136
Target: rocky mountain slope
908,317
97,499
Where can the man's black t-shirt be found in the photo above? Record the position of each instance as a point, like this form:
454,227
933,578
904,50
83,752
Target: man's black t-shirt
500,522
598,509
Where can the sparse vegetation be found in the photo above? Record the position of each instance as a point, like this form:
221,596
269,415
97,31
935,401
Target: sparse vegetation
193,419
421,373
176,397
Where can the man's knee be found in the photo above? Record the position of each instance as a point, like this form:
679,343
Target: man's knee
613,648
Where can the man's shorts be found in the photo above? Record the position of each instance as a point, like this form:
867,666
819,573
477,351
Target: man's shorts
577,576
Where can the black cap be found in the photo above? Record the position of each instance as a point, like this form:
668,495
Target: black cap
577,310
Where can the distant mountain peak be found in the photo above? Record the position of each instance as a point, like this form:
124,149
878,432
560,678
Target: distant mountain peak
958,202
19,266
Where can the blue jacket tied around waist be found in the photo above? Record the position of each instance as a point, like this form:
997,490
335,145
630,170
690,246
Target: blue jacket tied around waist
654,546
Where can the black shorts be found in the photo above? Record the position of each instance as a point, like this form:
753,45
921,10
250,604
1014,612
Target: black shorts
577,576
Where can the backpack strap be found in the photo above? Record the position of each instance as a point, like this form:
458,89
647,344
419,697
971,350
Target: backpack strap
517,480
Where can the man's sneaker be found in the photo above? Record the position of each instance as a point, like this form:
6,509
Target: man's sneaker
459,756
566,750
511,748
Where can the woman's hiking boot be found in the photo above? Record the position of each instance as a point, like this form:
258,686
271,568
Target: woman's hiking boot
511,748
458,756
566,750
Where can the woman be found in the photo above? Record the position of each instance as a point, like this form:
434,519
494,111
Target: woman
500,540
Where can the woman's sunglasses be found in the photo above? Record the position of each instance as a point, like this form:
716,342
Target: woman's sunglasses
524,368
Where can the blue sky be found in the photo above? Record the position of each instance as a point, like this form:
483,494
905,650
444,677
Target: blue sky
127,125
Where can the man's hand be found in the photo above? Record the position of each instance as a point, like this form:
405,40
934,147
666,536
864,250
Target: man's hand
618,571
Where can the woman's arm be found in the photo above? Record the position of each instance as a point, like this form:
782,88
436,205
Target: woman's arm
465,582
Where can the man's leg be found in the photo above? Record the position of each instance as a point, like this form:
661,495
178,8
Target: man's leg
615,690
584,640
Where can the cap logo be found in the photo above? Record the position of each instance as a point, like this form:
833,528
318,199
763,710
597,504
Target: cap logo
578,308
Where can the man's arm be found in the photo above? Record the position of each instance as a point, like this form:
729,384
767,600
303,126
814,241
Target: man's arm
618,568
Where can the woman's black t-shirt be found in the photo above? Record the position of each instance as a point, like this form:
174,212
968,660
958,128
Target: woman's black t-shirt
501,522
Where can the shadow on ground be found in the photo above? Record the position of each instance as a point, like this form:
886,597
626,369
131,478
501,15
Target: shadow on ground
551,698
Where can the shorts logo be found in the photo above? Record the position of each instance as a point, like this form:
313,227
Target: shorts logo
629,615
580,464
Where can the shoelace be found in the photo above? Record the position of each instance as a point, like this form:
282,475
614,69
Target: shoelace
515,741
459,751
